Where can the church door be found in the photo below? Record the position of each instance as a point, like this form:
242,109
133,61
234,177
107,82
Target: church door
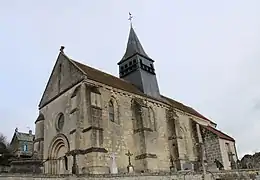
58,149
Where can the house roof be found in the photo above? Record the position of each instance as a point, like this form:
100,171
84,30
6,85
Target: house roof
220,134
22,136
104,78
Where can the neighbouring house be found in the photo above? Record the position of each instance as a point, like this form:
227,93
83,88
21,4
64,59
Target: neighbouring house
22,144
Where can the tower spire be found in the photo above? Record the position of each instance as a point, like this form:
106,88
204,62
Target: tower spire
133,45
136,66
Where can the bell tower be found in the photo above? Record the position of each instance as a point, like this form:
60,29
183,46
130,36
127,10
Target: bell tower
138,68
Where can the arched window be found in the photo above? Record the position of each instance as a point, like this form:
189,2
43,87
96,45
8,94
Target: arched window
152,119
111,111
137,115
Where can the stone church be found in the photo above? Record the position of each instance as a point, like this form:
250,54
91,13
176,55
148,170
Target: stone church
90,120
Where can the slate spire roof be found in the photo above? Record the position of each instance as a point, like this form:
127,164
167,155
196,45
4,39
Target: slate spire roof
133,46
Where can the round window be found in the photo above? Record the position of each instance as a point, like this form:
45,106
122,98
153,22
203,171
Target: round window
60,122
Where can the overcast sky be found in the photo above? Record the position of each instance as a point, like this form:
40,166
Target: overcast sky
207,54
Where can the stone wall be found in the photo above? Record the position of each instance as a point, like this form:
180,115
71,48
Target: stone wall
223,175
124,133
4,168
21,151
227,147
212,149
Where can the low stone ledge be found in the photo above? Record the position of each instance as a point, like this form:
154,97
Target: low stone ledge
86,151
188,175
145,155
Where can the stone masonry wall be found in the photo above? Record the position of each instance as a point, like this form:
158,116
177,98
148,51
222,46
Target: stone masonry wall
64,76
212,149
227,162
51,113
119,136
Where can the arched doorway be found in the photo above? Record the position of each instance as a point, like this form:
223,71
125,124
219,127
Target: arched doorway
58,162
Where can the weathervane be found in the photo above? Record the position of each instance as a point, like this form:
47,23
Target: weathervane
62,49
130,18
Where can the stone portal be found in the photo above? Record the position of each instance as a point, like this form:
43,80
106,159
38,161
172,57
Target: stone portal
58,162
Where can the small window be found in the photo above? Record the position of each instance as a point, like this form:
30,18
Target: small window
25,147
111,111
126,66
134,66
130,63
122,68
134,61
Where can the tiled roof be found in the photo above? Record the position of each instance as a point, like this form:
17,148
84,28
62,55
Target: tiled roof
219,133
104,78
185,108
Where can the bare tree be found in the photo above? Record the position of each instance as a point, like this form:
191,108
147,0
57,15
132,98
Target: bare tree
3,138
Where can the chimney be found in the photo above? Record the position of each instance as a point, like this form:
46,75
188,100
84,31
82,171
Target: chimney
16,129
30,132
